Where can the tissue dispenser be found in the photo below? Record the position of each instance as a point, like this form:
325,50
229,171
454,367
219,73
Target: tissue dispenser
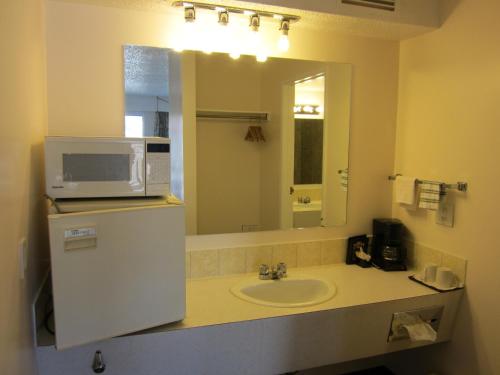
416,325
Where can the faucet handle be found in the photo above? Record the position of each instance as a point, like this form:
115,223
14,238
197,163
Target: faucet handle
263,270
281,268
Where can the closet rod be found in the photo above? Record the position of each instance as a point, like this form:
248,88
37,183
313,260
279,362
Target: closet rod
230,115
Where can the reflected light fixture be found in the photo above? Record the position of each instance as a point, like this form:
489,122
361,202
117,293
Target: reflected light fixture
307,109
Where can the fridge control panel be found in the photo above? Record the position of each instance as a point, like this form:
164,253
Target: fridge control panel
79,232
79,238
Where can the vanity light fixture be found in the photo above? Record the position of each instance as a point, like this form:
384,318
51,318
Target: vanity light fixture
223,16
254,22
284,42
189,12
255,16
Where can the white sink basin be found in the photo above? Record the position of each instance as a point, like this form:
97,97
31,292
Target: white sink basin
292,291
301,207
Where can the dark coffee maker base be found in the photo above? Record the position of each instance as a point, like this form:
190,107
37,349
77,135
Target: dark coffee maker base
391,267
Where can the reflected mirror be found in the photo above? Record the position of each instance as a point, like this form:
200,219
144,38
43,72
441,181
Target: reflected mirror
271,139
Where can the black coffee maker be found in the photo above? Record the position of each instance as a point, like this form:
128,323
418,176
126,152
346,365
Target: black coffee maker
388,252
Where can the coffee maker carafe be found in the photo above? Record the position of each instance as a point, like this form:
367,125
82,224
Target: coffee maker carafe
388,252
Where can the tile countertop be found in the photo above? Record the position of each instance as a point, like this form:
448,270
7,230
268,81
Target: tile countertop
210,301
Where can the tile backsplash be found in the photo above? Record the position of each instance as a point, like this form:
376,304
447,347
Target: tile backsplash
419,255
239,260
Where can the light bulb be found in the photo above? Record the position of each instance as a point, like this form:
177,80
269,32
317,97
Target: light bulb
206,49
188,29
254,39
186,39
178,48
284,43
261,57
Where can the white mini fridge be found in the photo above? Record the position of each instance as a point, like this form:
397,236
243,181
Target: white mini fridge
116,271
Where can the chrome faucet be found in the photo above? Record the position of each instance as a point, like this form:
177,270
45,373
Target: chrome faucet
273,273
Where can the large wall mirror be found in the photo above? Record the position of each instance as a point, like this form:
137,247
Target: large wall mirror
272,138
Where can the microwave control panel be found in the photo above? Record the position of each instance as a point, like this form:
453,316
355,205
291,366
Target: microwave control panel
157,168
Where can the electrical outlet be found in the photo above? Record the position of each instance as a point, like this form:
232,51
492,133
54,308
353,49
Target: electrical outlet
22,249
445,214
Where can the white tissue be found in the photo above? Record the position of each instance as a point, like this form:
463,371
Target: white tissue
421,332
406,324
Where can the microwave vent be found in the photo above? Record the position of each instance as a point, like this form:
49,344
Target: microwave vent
387,5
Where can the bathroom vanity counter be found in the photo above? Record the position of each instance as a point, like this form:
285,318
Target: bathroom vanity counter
223,334
210,301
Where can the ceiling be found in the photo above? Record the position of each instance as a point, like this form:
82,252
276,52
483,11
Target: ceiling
146,71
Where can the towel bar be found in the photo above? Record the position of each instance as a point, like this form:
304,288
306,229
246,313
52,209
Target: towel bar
460,186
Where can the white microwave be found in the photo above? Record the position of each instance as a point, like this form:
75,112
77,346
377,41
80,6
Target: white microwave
88,167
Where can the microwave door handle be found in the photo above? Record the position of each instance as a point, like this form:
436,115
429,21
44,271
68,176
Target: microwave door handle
142,170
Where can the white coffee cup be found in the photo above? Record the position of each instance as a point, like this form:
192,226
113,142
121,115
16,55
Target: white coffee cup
445,278
429,274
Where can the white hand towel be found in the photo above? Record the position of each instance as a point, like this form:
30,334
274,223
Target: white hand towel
405,190
430,195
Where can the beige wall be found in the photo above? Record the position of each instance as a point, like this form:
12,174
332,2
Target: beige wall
22,128
85,66
448,129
